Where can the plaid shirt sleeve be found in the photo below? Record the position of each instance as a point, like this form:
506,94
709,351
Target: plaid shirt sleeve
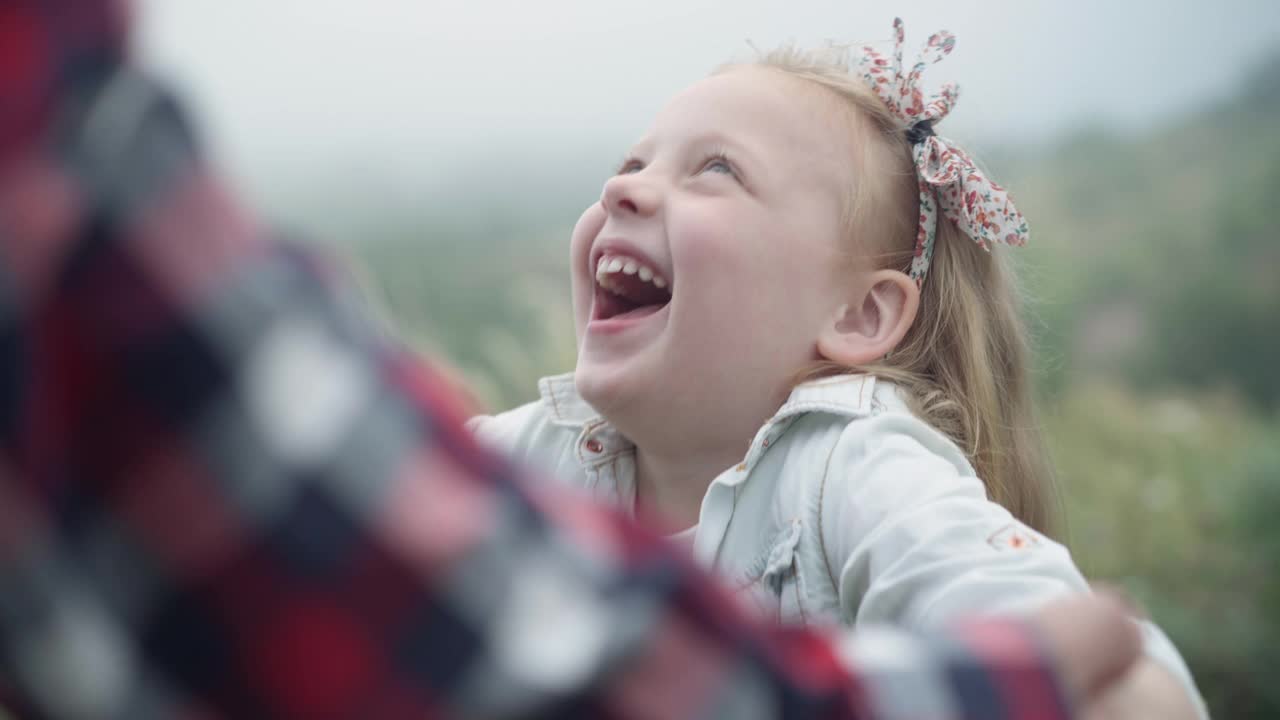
222,495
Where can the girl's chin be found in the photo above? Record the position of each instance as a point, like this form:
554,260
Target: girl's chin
593,385
605,388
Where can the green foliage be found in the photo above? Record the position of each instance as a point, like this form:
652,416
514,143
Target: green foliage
1157,257
1175,499
497,309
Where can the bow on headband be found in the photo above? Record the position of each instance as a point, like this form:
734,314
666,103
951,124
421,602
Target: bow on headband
948,178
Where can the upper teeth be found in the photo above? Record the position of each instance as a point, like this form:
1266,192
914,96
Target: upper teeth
612,264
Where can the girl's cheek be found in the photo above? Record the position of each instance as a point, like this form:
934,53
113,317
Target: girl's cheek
581,277
706,237
585,231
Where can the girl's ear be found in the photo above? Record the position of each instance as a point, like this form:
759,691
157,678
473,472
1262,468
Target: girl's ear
873,324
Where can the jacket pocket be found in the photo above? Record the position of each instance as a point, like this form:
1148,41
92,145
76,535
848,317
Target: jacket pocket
773,581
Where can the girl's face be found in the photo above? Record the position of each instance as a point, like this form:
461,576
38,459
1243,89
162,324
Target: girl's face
703,276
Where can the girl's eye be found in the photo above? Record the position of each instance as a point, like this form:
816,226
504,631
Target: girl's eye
629,166
718,163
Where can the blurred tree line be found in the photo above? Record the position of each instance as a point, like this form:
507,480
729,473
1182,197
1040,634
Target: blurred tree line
1153,274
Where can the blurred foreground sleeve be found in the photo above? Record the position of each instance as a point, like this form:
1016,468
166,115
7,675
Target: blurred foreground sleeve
222,495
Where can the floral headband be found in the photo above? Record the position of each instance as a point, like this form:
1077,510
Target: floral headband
946,174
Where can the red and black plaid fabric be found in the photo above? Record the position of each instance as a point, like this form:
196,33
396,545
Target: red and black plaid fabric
223,496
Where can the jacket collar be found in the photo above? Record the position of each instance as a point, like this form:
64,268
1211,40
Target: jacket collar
852,395
844,395
567,408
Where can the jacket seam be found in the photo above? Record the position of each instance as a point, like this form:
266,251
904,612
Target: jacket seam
822,535
555,404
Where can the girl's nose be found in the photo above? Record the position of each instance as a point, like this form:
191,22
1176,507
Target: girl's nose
630,194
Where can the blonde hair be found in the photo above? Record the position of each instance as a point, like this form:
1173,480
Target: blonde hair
964,361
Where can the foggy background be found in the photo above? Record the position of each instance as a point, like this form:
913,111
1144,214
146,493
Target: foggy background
423,98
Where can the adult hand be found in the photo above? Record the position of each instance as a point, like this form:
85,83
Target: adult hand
1147,691
1096,645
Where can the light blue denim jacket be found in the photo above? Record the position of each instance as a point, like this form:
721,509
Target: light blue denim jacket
846,508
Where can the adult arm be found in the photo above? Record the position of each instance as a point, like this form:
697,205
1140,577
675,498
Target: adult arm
221,495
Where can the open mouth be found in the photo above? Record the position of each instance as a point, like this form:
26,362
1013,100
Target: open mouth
628,288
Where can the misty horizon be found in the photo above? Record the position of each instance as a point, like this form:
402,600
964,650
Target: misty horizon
403,102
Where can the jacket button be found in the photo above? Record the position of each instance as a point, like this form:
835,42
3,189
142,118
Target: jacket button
594,445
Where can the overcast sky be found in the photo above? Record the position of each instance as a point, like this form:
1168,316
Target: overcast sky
287,87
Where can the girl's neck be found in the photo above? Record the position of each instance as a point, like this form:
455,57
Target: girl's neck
680,449
670,486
